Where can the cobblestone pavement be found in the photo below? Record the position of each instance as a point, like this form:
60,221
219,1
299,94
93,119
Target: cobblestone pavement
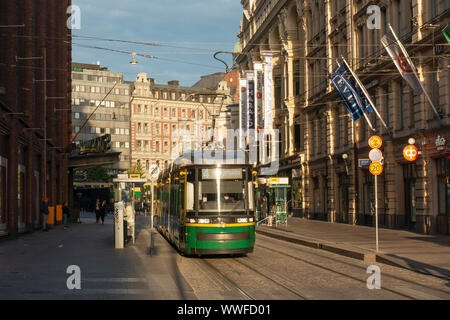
280,270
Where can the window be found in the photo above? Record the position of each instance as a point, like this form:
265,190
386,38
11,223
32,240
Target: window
174,112
127,145
77,115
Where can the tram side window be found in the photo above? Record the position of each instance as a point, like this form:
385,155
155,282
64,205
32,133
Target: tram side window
189,196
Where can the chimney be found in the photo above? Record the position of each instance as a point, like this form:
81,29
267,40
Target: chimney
173,83
152,81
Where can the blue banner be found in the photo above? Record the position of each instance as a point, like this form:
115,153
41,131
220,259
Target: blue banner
354,99
250,102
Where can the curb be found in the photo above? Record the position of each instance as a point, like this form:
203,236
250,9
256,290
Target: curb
366,256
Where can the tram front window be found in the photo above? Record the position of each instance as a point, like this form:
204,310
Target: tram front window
223,196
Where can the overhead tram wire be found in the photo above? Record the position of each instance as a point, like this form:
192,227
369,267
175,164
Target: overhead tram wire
147,56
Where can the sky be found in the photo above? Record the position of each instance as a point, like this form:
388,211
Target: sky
198,28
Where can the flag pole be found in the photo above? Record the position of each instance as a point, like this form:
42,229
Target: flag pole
413,67
368,97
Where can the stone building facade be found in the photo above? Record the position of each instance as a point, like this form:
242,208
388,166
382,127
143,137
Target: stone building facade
159,113
35,119
90,84
320,144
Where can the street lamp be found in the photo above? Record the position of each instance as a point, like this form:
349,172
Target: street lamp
345,157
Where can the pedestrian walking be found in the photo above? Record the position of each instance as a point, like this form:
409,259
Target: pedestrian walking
264,208
45,212
65,210
97,210
103,209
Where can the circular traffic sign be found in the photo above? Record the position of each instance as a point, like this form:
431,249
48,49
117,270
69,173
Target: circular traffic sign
376,168
410,153
375,155
375,142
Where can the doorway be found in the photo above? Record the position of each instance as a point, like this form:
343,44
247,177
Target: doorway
409,174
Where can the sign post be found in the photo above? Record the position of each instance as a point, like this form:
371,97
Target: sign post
376,168
154,172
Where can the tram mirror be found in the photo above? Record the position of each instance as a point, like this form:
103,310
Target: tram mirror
190,196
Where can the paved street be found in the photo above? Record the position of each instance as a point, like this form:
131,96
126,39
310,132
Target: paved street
428,254
37,262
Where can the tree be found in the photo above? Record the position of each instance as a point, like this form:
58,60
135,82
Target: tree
137,169
98,174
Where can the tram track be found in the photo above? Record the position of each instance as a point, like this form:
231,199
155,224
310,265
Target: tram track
227,280
277,280
334,272
353,265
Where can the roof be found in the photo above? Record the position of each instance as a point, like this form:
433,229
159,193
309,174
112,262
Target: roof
210,81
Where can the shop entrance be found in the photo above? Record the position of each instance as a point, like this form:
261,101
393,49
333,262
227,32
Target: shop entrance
443,169
409,174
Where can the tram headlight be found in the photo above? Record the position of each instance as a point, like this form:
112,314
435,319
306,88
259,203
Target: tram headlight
242,220
192,220
250,220
203,220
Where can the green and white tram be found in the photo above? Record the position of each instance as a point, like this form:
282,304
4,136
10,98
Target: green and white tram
207,208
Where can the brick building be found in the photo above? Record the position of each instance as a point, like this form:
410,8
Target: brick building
320,145
33,140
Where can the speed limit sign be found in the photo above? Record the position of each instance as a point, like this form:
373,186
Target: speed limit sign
376,168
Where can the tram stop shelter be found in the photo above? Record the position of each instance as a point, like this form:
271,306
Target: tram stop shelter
124,212
276,190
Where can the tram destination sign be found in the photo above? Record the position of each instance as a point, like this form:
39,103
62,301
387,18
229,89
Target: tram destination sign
224,174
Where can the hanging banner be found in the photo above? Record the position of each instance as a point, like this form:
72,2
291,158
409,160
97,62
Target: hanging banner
259,108
242,110
250,102
268,90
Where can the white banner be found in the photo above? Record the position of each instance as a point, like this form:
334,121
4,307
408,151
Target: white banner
242,110
268,90
259,107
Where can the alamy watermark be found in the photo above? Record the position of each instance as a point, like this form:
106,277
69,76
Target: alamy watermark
374,281
249,146
74,280
374,20
74,21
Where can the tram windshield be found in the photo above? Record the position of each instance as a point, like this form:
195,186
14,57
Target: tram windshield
222,191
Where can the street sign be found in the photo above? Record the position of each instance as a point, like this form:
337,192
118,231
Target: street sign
375,142
376,168
154,171
364,162
375,155
410,153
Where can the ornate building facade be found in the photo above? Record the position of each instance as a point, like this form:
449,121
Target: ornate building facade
169,119
320,144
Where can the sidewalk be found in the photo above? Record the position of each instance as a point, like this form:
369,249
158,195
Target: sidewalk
34,266
429,254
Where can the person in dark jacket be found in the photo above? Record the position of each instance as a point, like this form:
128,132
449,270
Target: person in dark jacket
65,210
103,209
45,212
97,210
